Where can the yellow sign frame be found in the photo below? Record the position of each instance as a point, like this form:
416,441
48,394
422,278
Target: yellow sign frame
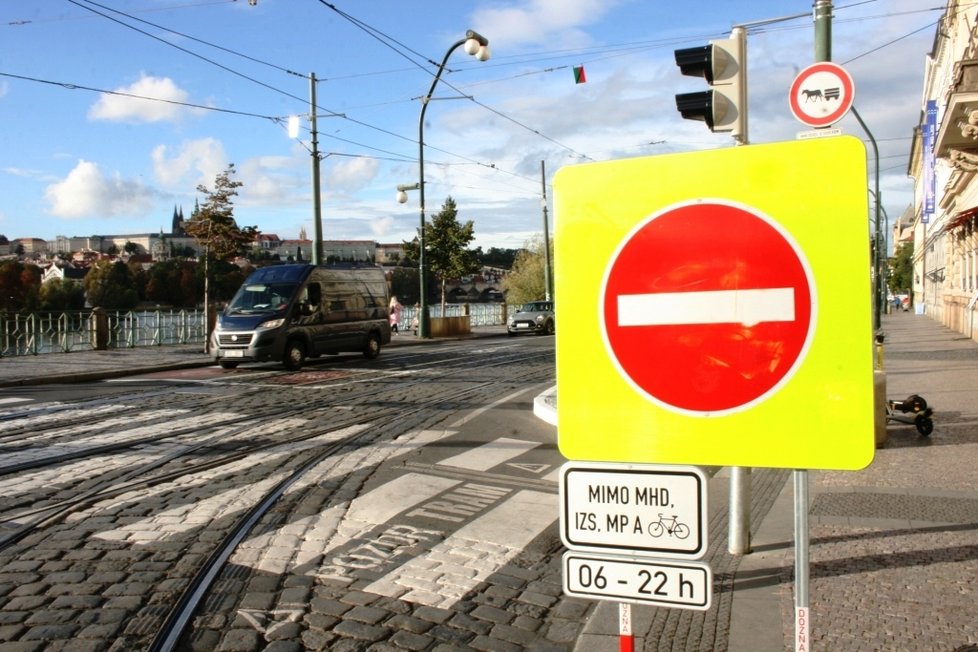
823,416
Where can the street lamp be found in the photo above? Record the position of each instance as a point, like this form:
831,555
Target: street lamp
402,189
477,46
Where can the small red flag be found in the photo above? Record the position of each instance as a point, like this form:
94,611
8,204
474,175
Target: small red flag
579,77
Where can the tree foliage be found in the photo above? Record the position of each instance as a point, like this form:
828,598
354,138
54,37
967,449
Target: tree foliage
226,278
62,294
19,285
901,270
526,280
447,255
497,257
174,283
110,285
405,285
212,224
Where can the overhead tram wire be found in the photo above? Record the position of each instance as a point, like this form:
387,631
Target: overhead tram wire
329,112
380,35
182,49
72,86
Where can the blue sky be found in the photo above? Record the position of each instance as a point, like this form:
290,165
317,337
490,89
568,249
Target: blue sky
77,161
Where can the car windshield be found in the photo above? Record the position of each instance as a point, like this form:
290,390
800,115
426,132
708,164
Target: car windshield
256,298
536,307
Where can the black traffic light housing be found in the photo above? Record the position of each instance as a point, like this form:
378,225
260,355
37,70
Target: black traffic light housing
723,64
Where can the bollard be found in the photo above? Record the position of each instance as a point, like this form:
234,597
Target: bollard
879,398
100,329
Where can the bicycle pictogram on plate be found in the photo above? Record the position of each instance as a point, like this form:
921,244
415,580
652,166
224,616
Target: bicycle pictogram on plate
670,526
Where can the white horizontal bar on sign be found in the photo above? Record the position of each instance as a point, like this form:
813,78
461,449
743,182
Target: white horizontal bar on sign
748,307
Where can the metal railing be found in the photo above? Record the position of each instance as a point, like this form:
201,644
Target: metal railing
85,330
480,314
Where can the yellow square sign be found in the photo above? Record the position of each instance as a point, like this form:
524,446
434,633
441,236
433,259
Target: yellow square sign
716,308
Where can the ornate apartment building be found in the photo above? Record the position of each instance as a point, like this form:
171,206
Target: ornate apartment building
944,163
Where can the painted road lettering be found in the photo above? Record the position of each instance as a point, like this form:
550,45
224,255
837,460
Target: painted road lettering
461,503
380,552
372,554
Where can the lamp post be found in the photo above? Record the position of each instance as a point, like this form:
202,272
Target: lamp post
477,46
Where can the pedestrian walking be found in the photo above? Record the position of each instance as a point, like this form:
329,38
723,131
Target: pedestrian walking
395,315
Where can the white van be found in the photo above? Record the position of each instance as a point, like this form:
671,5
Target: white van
293,312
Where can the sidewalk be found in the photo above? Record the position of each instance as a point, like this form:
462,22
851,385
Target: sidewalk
79,366
893,554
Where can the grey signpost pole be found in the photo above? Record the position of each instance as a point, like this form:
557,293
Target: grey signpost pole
823,52
738,535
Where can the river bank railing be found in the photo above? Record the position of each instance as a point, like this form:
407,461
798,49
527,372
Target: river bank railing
35,333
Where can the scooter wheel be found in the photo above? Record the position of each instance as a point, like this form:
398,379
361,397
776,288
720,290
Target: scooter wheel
925,426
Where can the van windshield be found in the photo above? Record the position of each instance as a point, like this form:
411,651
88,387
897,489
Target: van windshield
255,298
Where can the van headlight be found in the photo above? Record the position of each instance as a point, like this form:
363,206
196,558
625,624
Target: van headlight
271,323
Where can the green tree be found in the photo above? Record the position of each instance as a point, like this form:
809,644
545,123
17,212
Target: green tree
213,226
497,257
404,285
447,255
20,285
526,280
174,283
226,278
130,247
901,269
109,285
62,294
140,277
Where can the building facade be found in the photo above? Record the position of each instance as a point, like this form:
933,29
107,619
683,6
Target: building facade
944,163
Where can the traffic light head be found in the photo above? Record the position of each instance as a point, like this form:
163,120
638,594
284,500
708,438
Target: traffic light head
723,64
710,106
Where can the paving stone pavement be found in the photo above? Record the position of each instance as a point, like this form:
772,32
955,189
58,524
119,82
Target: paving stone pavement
893,553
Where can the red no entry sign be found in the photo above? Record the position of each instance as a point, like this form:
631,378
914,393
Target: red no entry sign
707,307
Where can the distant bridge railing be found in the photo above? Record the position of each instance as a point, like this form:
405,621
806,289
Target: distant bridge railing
87,330
480,314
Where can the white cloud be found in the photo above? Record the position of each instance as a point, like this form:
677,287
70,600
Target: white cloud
540,21
88,192
196,162
137,109
272,181
382,226
351,174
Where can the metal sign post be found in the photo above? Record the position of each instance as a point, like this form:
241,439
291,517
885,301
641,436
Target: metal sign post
802,621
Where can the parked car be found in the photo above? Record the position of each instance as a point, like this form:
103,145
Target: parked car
534,317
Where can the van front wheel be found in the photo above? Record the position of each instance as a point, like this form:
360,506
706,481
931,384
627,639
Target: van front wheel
295,355
372,348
